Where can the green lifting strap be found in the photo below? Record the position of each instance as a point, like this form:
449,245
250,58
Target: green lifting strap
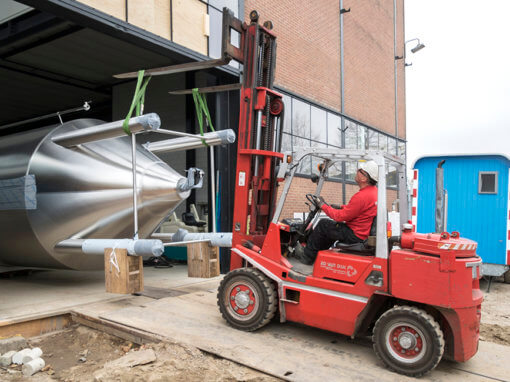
201,107
138,100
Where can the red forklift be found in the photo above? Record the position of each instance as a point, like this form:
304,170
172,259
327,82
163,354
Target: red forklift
417,295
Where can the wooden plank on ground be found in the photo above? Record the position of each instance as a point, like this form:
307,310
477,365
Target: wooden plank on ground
289,351
36,327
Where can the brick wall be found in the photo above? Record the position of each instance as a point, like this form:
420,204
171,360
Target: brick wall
308,58
331,191
369,63
308,53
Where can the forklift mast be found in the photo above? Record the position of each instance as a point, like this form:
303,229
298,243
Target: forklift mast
260,129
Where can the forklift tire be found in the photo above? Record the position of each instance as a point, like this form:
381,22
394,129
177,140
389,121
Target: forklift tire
247,299
408,340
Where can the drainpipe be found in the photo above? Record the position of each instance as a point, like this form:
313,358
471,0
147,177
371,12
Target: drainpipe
395,65
342,105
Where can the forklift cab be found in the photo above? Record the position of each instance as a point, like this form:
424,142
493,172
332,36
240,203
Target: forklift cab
344,262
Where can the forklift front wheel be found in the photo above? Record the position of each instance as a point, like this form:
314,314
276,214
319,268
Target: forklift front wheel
247,299
408,340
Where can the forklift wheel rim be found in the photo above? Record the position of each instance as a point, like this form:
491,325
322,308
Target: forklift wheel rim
243,300
405,342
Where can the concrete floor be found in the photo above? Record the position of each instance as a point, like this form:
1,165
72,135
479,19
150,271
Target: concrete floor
41,293
189,315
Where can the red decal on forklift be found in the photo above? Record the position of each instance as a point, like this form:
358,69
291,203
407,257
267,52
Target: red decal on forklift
415,174
508,257
414,211
414,192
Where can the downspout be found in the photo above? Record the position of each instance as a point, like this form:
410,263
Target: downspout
395,64
342,105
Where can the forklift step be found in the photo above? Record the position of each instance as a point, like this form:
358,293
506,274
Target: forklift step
299,267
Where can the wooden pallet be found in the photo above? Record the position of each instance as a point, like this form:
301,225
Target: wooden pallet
123,273
203,260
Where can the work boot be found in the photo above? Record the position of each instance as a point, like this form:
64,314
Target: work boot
299,253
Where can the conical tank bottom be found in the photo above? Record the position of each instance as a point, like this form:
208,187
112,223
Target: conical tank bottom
86,192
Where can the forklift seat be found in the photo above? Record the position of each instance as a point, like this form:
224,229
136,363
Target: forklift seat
366,247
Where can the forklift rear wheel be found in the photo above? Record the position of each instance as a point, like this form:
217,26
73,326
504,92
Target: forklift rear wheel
408,340
247,299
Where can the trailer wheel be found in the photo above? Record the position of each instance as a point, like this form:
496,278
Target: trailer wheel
408,340
506,277
247,299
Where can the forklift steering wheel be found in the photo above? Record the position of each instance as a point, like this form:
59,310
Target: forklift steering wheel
314,200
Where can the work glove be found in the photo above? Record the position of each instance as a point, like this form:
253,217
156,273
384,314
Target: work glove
319,201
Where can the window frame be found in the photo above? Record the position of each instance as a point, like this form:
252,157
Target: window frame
496,175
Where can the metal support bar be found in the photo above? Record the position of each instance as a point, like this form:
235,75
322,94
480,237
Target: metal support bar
135,187
213,188
180,68
209,89
191,141
145,247
85,107
148,122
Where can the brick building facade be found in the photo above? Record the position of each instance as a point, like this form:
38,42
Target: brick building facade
336,69
335,66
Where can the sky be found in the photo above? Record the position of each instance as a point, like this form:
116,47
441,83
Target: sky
458,87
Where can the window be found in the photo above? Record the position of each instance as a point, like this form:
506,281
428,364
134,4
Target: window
351,135
488,182
310,125
319,124
300,118
287,114
315,160
215,27
334,133
299,144
402,150
373,140
392,146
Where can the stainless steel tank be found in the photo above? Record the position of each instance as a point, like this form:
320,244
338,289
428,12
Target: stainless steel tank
80,192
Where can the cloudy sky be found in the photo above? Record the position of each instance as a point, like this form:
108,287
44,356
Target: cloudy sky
458,88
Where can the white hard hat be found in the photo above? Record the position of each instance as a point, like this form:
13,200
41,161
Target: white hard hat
371,169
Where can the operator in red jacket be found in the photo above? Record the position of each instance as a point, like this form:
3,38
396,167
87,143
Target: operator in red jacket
351,223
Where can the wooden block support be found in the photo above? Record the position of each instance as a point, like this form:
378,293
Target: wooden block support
203,260
123,273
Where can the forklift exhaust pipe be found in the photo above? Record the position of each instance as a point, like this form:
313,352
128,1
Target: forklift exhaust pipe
440,198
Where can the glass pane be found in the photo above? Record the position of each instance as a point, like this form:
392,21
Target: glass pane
231,4
287,110
391,177
402,150
334,133
300,118
319,124
351,135
297,145
316,160
362,131
215,25
215,29
373,140
392,146
286,142
383,143
350,170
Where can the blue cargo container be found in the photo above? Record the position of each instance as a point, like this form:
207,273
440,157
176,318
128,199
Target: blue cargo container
477,203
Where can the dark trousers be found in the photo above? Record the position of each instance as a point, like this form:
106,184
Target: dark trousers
325,234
